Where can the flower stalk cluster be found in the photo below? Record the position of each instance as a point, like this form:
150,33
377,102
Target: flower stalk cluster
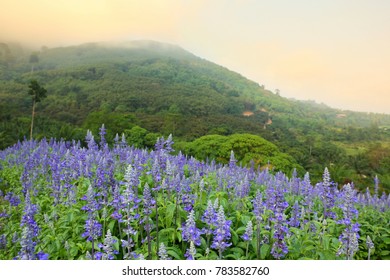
248,235
350,236
30,231
191,234
93,229
221,233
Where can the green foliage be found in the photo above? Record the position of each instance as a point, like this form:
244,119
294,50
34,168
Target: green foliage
36,91
248,149
136,136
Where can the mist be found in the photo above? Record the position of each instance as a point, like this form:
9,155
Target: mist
336,52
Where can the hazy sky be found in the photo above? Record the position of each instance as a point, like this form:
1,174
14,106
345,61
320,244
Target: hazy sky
331,51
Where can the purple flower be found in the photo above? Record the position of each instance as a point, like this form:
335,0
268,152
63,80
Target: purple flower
117,203
162,252
92,204
93,229
102,133
27,244
243,188
369,243
370,246
376,187
3,214
28,218
89,138
164,146
14,200
221,233
279,247
15,238
295,215
248,235
42,256
190,252
278,204
131,176
190,232
326,178
188,198
209,217
148,203
258,206
148,200
109,251
3,241
328,195
350,236
232,161
130,207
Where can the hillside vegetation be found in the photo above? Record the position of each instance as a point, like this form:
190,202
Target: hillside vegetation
146,89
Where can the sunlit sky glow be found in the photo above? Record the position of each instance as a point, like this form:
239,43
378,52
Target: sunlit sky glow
332,51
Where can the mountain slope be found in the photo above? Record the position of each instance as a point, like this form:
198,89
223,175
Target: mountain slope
162,88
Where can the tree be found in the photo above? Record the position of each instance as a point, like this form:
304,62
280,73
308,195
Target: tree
38,93
34,58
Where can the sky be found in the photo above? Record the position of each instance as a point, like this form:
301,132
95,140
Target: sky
335,52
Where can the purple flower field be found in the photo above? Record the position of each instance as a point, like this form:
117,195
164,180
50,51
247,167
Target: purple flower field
60,200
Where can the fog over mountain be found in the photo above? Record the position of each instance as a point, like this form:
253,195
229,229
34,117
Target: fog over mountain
336,52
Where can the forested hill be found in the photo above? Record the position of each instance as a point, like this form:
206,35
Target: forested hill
145,89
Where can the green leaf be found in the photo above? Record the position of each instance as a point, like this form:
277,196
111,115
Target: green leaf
326,255
240,230
307,243
237,250
111,225
386,240
309,248
232,256
213,256
81,246
70,217
73,251
170,212
242,245
264,250
385,253
245,219
234,236
174,253
325,242
178,235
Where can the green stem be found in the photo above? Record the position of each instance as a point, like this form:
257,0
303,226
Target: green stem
176,210
32,119
258,240
157,240
93,249
149,239
104,221
121,237
369,253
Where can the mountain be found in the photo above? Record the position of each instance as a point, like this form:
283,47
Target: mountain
148,88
